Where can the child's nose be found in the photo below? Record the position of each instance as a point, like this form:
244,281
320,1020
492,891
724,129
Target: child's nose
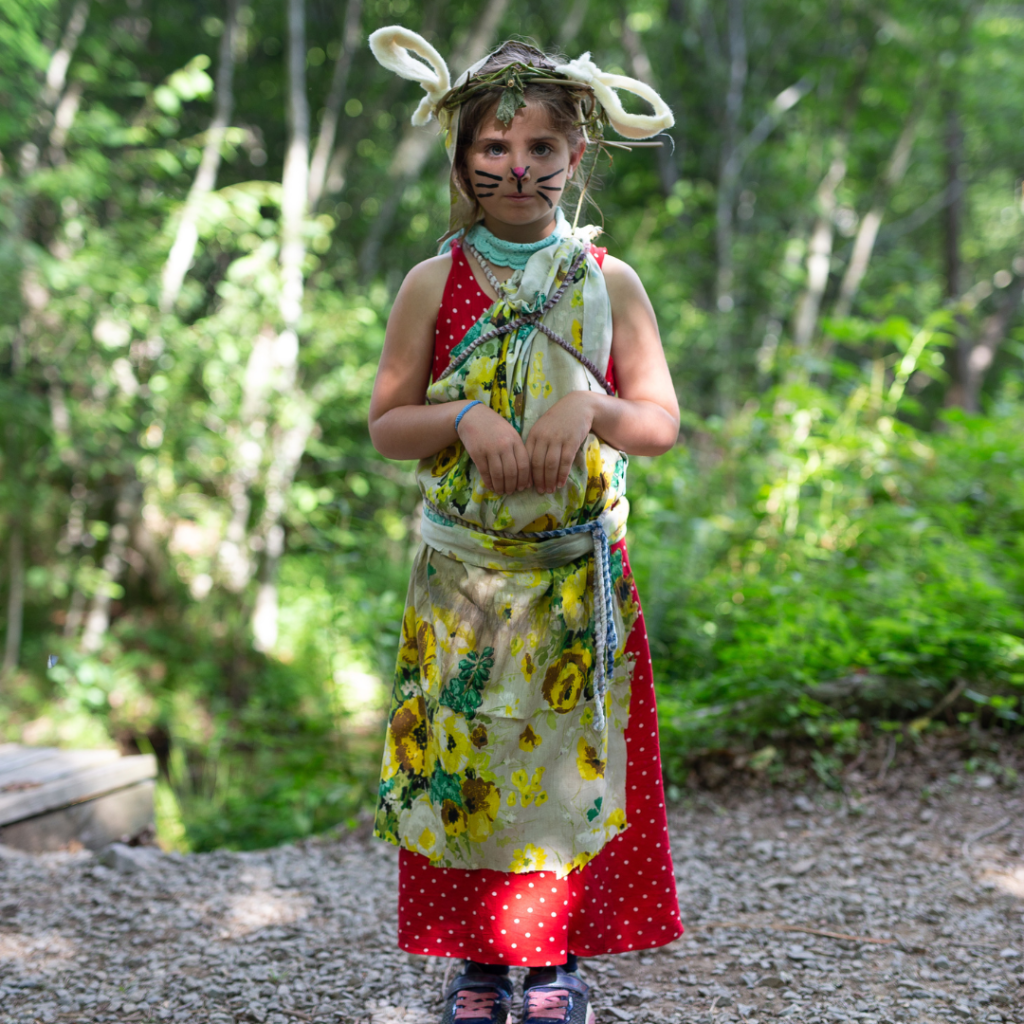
519,171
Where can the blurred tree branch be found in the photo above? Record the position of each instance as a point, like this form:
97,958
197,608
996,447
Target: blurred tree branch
320,164
183,249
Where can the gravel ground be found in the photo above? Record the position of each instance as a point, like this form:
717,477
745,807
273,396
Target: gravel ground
781,894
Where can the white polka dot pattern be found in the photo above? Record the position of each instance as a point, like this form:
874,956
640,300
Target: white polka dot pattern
593,909
456,315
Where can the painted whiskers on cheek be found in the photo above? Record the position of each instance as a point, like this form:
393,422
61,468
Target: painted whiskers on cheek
549,188
490,182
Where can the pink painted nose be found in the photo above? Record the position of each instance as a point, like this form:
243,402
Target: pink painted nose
518,171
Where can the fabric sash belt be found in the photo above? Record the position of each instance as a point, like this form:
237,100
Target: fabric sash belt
544,549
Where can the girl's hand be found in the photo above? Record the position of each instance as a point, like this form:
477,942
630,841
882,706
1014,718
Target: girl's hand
555,439
496,449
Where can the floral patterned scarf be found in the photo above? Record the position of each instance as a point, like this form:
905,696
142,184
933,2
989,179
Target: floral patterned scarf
495,757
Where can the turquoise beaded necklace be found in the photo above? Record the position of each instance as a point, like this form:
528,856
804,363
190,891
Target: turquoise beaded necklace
511,254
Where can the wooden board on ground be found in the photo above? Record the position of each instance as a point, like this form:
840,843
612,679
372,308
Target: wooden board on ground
51,799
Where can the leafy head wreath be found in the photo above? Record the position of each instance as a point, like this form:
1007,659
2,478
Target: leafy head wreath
597,99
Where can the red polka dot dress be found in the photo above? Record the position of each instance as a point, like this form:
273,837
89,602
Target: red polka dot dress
625,898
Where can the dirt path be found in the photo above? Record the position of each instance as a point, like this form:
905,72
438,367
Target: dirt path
306,933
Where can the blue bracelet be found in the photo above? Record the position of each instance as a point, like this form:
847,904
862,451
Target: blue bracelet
458,419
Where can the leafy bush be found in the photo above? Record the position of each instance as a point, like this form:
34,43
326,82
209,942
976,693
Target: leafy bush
831,562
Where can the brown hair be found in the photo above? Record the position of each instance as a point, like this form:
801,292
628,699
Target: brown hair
560,104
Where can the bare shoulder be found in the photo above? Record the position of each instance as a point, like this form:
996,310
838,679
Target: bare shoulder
425,282
624,284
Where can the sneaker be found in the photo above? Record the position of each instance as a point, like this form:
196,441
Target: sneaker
554,996
478,998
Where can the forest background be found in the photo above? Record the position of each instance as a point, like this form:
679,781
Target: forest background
206,210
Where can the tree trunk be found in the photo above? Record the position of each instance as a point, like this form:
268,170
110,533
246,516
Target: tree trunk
288,444
182,251
15,596
640,65
728,179
952,224
994,329
573,23
867,233
57,70
819,253
97,622
321,161
414,148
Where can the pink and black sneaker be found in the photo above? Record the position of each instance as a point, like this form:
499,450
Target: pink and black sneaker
554,996
477,997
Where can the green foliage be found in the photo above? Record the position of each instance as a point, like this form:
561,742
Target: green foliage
828,546
827,543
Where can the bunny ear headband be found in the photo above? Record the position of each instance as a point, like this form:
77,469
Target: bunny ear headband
392,46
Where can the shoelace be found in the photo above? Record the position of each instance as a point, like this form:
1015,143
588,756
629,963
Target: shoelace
474,1005
546,1004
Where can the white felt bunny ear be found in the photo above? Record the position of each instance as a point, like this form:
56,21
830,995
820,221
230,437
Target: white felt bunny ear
604,84
389,46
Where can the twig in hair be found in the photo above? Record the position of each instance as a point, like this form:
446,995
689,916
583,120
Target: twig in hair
632,145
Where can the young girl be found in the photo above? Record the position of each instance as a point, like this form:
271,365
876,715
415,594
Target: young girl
521,776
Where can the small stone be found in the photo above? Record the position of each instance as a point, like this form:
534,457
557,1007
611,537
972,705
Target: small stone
803,803
984,781
801,867
779,882
1009,953
799,953
129,859
770,981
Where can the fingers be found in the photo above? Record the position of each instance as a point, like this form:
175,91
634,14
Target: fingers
523,476
507,469
567,456
545,462
552,463
498,466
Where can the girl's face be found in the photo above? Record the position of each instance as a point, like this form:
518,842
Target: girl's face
518,172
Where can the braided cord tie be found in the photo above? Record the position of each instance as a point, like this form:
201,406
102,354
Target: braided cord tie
534,320
606,636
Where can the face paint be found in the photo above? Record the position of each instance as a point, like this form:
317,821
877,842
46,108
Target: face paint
519,173
489,184
548,177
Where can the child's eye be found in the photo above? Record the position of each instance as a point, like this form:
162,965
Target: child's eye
494,149
542,149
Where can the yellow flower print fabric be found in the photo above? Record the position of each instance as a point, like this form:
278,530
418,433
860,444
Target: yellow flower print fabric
493,758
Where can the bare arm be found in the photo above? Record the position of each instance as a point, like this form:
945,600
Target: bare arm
643,419
401,426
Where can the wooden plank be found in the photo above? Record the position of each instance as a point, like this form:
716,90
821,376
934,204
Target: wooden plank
22,757
90,824
83,785
57,764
